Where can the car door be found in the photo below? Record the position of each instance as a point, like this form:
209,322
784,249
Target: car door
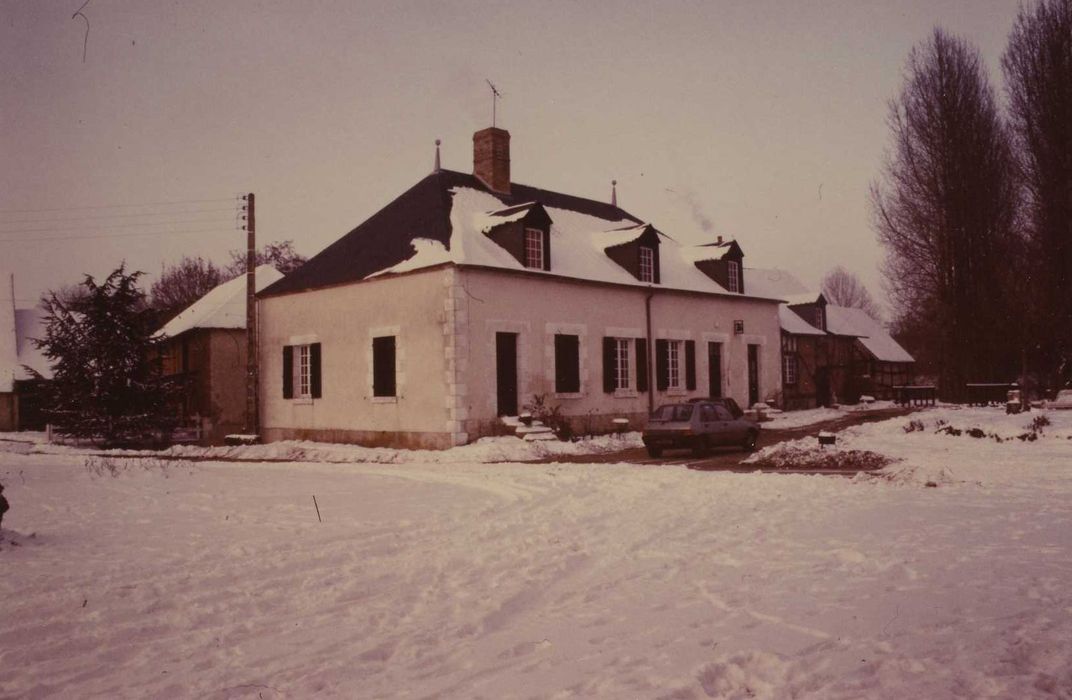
727,432
709,423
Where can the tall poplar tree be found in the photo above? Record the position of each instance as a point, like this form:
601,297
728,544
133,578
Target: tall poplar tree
945,208
1038,76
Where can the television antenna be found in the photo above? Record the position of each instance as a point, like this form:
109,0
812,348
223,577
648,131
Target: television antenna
495,96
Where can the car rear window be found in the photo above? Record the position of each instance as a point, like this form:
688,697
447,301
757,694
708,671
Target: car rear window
673,412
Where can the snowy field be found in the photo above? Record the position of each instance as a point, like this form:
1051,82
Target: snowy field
467,580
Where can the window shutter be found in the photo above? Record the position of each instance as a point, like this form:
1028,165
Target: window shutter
690,365
642,364
288,371
662,365
567,364
383,366
610,357
547,249
314,370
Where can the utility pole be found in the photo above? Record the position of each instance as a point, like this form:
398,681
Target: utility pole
252,417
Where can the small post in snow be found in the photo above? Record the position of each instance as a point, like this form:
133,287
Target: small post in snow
317,508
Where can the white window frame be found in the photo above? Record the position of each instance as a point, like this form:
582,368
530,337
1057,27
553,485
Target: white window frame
675,380
303,385
646,269
534,249
789,369
820,318
622,364
734,275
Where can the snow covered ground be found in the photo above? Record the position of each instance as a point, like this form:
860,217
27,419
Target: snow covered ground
469,580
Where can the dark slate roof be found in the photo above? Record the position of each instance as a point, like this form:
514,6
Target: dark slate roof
422,211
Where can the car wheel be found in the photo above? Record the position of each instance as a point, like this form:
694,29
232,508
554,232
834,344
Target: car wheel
750,441
654,452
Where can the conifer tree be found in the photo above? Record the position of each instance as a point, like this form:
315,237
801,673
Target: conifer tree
107,383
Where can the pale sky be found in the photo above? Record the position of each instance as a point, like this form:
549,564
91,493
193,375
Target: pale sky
760,121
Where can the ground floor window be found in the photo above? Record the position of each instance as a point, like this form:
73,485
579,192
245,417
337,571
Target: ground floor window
621,363
789,369
301,371
567,363
383,366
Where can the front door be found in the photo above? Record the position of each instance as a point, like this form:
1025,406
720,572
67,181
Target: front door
753,375
714,370
506,373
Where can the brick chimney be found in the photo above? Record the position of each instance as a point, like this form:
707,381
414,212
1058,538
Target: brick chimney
491,158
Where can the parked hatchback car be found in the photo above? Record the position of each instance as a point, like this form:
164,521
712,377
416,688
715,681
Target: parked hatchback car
699,425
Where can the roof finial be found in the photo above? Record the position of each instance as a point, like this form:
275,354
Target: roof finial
614,193
437,142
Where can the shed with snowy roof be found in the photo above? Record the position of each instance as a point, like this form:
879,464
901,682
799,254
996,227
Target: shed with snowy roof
204,352
471,295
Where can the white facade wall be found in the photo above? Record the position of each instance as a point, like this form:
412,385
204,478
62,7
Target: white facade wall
445,321
536,307
416,308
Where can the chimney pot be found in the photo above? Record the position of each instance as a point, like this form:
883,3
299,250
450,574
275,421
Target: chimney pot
491,158
720,240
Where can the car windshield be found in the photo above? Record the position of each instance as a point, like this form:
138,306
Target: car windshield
673,412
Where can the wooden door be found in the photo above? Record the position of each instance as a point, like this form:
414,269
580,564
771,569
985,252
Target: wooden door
506,373
714,370
753,375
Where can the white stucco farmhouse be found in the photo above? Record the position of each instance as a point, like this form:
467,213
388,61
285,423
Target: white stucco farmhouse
469,294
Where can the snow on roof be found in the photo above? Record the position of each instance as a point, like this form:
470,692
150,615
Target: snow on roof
492,219
18,328
223,307
427,252
772,282
578,245
842,320
9,354
618,236
803,298
869,332
781,284
705,251
791,322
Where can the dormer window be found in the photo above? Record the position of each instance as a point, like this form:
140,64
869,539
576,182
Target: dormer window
734,276
820,320
647,264
523,231
534,248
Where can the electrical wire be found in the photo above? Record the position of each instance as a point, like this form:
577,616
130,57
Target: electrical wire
115,235
101,227
116,206
116,216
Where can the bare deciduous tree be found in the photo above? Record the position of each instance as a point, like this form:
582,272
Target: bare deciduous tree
279,254
843,288
1038,73
945,207
183,284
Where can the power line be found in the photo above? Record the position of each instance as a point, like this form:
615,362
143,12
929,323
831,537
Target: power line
114,235
116,216
101,227
116,206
